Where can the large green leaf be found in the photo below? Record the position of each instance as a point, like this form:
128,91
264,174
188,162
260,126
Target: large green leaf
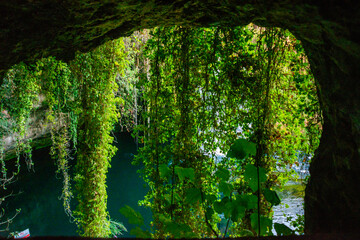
185,173
282,230
162,218
228,209
252,201
189,235
173,228
211,198
193,195
251,176
220,207
133,216
241,149
178,230
272,197
139,233
238,211
248,201
265,224
225,188
209,212
246,233
223,174
164,170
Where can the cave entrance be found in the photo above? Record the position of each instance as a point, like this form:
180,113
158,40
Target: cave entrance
207,87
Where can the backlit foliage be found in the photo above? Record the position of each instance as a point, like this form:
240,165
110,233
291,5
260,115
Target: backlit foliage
207,88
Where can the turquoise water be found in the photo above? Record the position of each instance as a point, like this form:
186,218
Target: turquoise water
42,211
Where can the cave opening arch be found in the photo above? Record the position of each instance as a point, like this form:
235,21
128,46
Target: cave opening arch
329,32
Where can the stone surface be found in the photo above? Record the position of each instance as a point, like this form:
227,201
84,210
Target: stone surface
329,30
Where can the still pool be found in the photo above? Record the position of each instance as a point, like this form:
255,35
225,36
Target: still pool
43,214
41,208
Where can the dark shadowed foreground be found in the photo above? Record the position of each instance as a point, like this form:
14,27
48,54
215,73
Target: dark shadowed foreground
312,237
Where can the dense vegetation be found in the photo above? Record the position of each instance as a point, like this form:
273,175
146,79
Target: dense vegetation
190,93
247,92
81,109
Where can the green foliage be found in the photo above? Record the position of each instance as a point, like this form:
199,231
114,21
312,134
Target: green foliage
95,72
60,153
204,84
81,100
25,93
241,149
133,216
185,173
164,170
253,175
192,196
136,218
132,69
22,88
282,230
225,188
139,233
272,197
60,91
117,228
264,223
298,223
223,174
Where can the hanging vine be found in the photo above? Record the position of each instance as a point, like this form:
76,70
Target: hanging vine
96,72
25,92
57,87
81,109
244,91
19,93
207,88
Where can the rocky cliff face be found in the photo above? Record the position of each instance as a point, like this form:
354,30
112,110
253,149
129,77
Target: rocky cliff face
329,30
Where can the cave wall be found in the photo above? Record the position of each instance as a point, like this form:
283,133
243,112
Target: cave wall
330,33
